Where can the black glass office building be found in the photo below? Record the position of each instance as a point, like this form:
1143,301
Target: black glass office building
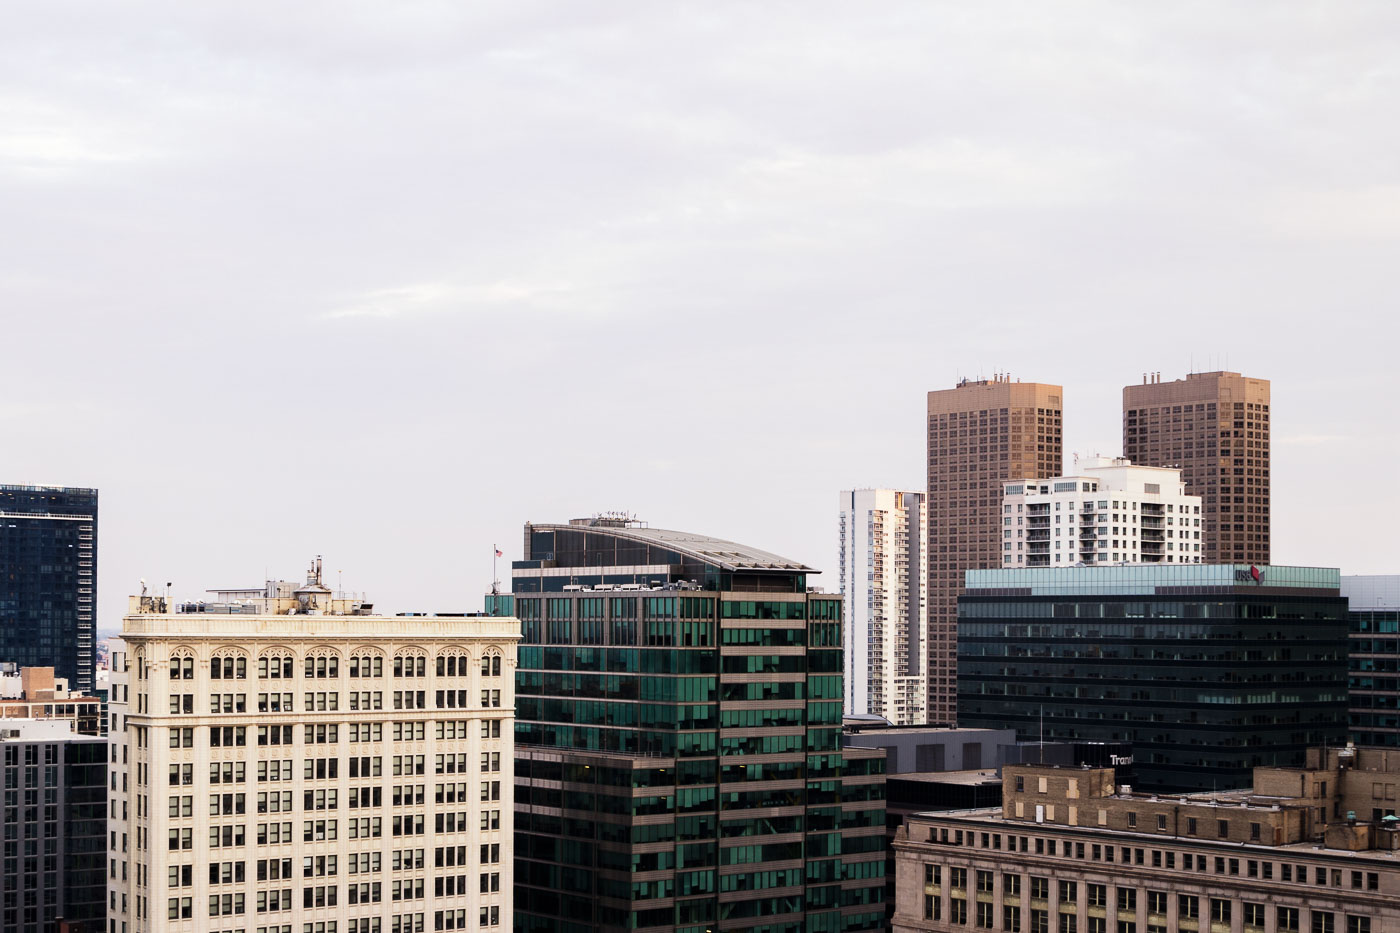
1373,663
48,580
53,835
1207,670
678,758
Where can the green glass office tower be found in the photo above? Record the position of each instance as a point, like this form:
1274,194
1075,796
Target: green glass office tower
678,759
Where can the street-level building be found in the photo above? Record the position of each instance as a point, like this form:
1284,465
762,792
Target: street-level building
1373,661
678,742
53,797
882,588
1109,511
1207,670
1069,851
294,762
48,580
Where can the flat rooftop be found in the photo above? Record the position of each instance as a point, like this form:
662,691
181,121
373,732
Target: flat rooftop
1146,579
966,778
993,816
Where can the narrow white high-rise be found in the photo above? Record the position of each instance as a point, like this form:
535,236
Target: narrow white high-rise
1108,512
883,579
292,762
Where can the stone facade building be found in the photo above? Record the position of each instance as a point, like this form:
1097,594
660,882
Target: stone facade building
1307,850
294,762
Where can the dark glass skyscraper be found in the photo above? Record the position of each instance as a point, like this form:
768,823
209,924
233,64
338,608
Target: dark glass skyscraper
1374,658
1209,670
48,579
53,856
678,758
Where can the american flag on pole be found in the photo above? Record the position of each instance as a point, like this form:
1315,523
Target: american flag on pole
498,552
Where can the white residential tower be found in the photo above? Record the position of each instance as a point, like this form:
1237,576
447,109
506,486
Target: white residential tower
1108,512
883,579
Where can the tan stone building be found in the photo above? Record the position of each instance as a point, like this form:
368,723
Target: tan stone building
1308,850
293,763
1215,427
980,434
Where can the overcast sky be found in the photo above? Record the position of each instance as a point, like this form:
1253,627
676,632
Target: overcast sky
383,281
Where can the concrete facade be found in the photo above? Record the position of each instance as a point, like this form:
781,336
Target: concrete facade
1107,511
926,749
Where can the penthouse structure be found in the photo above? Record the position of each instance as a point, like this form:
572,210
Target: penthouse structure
678,755
48,579
981,434
292,761
1215,427
1108,512
1208,671
1306,849
883,574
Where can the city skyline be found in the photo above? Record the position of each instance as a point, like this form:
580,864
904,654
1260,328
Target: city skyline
310,266
1286,540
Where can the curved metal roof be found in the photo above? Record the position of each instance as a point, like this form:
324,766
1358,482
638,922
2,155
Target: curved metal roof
728,555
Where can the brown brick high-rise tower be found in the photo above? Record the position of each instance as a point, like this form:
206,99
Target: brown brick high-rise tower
979,435
1215,427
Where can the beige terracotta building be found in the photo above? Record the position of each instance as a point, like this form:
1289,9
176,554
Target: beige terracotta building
293,763
1215,427
1307,850
980,434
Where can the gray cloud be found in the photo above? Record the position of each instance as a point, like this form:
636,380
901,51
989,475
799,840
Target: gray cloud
383,281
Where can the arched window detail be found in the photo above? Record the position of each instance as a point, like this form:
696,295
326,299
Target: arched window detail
229,664
453,662
276,664
182,664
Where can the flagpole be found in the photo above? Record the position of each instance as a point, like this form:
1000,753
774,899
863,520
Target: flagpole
495,580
